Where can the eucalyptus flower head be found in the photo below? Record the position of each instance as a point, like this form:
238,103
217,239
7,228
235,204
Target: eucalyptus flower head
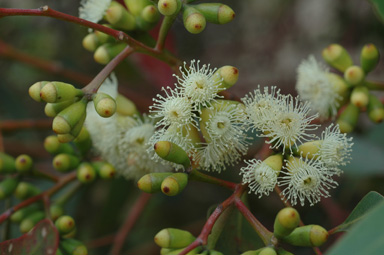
305,180
314,85
198,83
173,109
93,10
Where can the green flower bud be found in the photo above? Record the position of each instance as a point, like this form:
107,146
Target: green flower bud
66,120
71,234
8,186
275,162
119,17
30,221
150,14
172,152
23,163
216,13
103,37
56,92
174,184
75,131
91,42
375,109
174,238
166,251
308,236
65,224
285,222
86,173
212,252
53,146
309,149
34,90
83,141
254,252
22,213
348,118
107,52
169,7
65,138
52,109
360,97
354,75
26,190
337,56
194,21
228,76
136,6
7,163
105,105
268,251
124,106
369,57
65,162
340,87
281,251
151,183
56,211
104,169
73,247
142,24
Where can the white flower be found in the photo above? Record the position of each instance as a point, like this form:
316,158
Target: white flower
260,177
305,180
335,147
93,10
173,109
198,84
313,85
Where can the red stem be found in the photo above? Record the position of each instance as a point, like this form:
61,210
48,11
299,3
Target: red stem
11,125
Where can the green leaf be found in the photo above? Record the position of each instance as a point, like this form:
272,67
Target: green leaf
366,237
378,6
369,201
42,239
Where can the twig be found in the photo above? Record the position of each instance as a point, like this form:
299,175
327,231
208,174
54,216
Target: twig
198,176
165,26
11,125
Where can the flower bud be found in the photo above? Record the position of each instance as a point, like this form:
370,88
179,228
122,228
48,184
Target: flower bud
354,75
151,183
375,109
65,224
174,238
172,152
369,57
308,236
124,106
275,162
174,184
309,149
23,163
8,186
22,213
83,141
340,87
142,24
105,105
91,42
66,120
216,13
56,92
119,17
169,7
337,56
73,247
285,222
348,118
136,6
86,173
7,163
228,76
103,37
56,211
150,14
65,162
26,190
267,251
30,221
34,90
194,21
104,169
360,97
52,109
253,252
281,251
107,52
53,146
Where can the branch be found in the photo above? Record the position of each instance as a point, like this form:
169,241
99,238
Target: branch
198,176
11,125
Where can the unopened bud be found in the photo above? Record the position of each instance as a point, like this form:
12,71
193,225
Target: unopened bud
8,186
150,14
375,109
73,247
369,57
65,224
86,173
124,106
194,21
309,149
104,170
103,37
34,90
25,190
169,7
55,92
23,163
228,75
285,222
56,211
268,251
174,184
281,251
348,118
337,56
354,75
174,238
91,42
107,52
66,120
275,162
119,17
151,183
52,109
136,6
65,162
7,163
105,105
216,13
83,141
53,146
360,97
30,221
253,252
308,236
340,87
172,152
22,213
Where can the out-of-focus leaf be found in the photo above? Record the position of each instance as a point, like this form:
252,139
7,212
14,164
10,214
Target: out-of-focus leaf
369,201
378,6
43,239
366,237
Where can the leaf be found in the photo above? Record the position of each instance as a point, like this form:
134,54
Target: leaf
369,201
366,237
43,239
378,6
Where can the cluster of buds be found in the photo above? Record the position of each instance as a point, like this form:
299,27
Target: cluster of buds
68,105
